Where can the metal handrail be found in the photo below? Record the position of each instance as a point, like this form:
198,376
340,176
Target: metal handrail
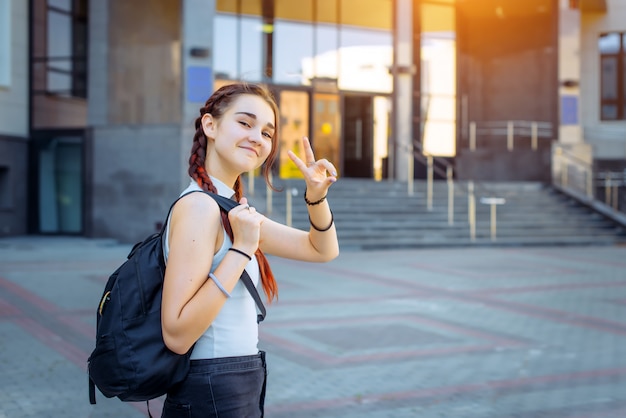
492,201
570,172
534,130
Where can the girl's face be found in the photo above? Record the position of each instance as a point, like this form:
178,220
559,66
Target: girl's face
241,139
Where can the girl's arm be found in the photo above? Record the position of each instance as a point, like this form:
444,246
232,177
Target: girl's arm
191,300
320,242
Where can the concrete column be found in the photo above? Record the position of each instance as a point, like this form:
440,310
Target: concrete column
197,69
570,130
402,100
98,63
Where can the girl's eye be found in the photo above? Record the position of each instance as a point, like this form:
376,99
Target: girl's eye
244,123
267,135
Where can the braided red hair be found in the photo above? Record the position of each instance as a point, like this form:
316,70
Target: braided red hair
216,105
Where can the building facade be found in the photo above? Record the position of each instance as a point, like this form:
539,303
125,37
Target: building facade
99,96
14,114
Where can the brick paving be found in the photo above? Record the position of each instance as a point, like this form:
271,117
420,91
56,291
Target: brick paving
523,332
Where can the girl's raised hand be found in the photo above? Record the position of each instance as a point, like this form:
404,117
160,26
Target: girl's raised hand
319,175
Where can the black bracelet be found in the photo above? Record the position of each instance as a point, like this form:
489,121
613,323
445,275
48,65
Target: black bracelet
332,220
240,252
317,202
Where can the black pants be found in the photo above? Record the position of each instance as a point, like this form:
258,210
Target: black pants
228,387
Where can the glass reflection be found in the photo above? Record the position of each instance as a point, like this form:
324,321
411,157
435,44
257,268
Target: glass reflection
609,78
293,46
438,79
294,124
238,47
609,43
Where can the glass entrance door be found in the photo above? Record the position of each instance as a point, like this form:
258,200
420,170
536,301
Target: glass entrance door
366,121
294,124
326,127
358,122
59,188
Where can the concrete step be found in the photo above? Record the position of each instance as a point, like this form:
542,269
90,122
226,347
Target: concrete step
371,215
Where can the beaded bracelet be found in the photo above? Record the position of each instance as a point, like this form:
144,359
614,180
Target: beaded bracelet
240,252
332,220
317,202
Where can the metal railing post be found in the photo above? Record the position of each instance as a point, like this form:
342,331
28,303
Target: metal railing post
410,168
449,176
509,135
607,189
429,181
251,183
533,136
288,206
471,211
268,197
589,183
493,221
472,136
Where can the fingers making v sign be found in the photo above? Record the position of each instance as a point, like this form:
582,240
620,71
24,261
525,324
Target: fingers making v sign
319,175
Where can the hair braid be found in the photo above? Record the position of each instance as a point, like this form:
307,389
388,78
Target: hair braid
216,105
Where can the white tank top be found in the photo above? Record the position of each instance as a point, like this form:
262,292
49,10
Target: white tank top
234,332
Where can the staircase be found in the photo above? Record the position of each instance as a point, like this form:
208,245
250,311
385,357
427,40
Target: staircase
381,215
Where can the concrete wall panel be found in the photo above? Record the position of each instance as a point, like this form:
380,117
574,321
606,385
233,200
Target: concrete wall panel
13,185
14,96
136,176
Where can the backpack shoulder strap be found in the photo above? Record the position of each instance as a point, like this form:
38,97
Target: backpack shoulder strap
247,281
226,205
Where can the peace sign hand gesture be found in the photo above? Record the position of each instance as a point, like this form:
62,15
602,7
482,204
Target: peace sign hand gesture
315,172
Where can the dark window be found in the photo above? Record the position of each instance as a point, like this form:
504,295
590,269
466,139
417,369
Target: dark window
612,48
66,48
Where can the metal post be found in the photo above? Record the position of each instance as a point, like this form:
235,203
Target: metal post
251,183
493,221
607,188
589,183
533,135
449,176
615,195
472,136
429,182
268,197
288,208
410,169
509,135
472,211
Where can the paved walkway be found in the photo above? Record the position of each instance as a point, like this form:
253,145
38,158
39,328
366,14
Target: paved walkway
461,333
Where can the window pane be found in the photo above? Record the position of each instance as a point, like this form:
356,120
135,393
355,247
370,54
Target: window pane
61,4
59,35
609,43
294,124
59,83
327,50
365,58
609,78
225,46
609,112
251,53
293,52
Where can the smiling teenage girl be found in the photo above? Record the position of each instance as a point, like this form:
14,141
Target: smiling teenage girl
206,252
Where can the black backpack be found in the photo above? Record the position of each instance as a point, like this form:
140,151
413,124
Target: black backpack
130,359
